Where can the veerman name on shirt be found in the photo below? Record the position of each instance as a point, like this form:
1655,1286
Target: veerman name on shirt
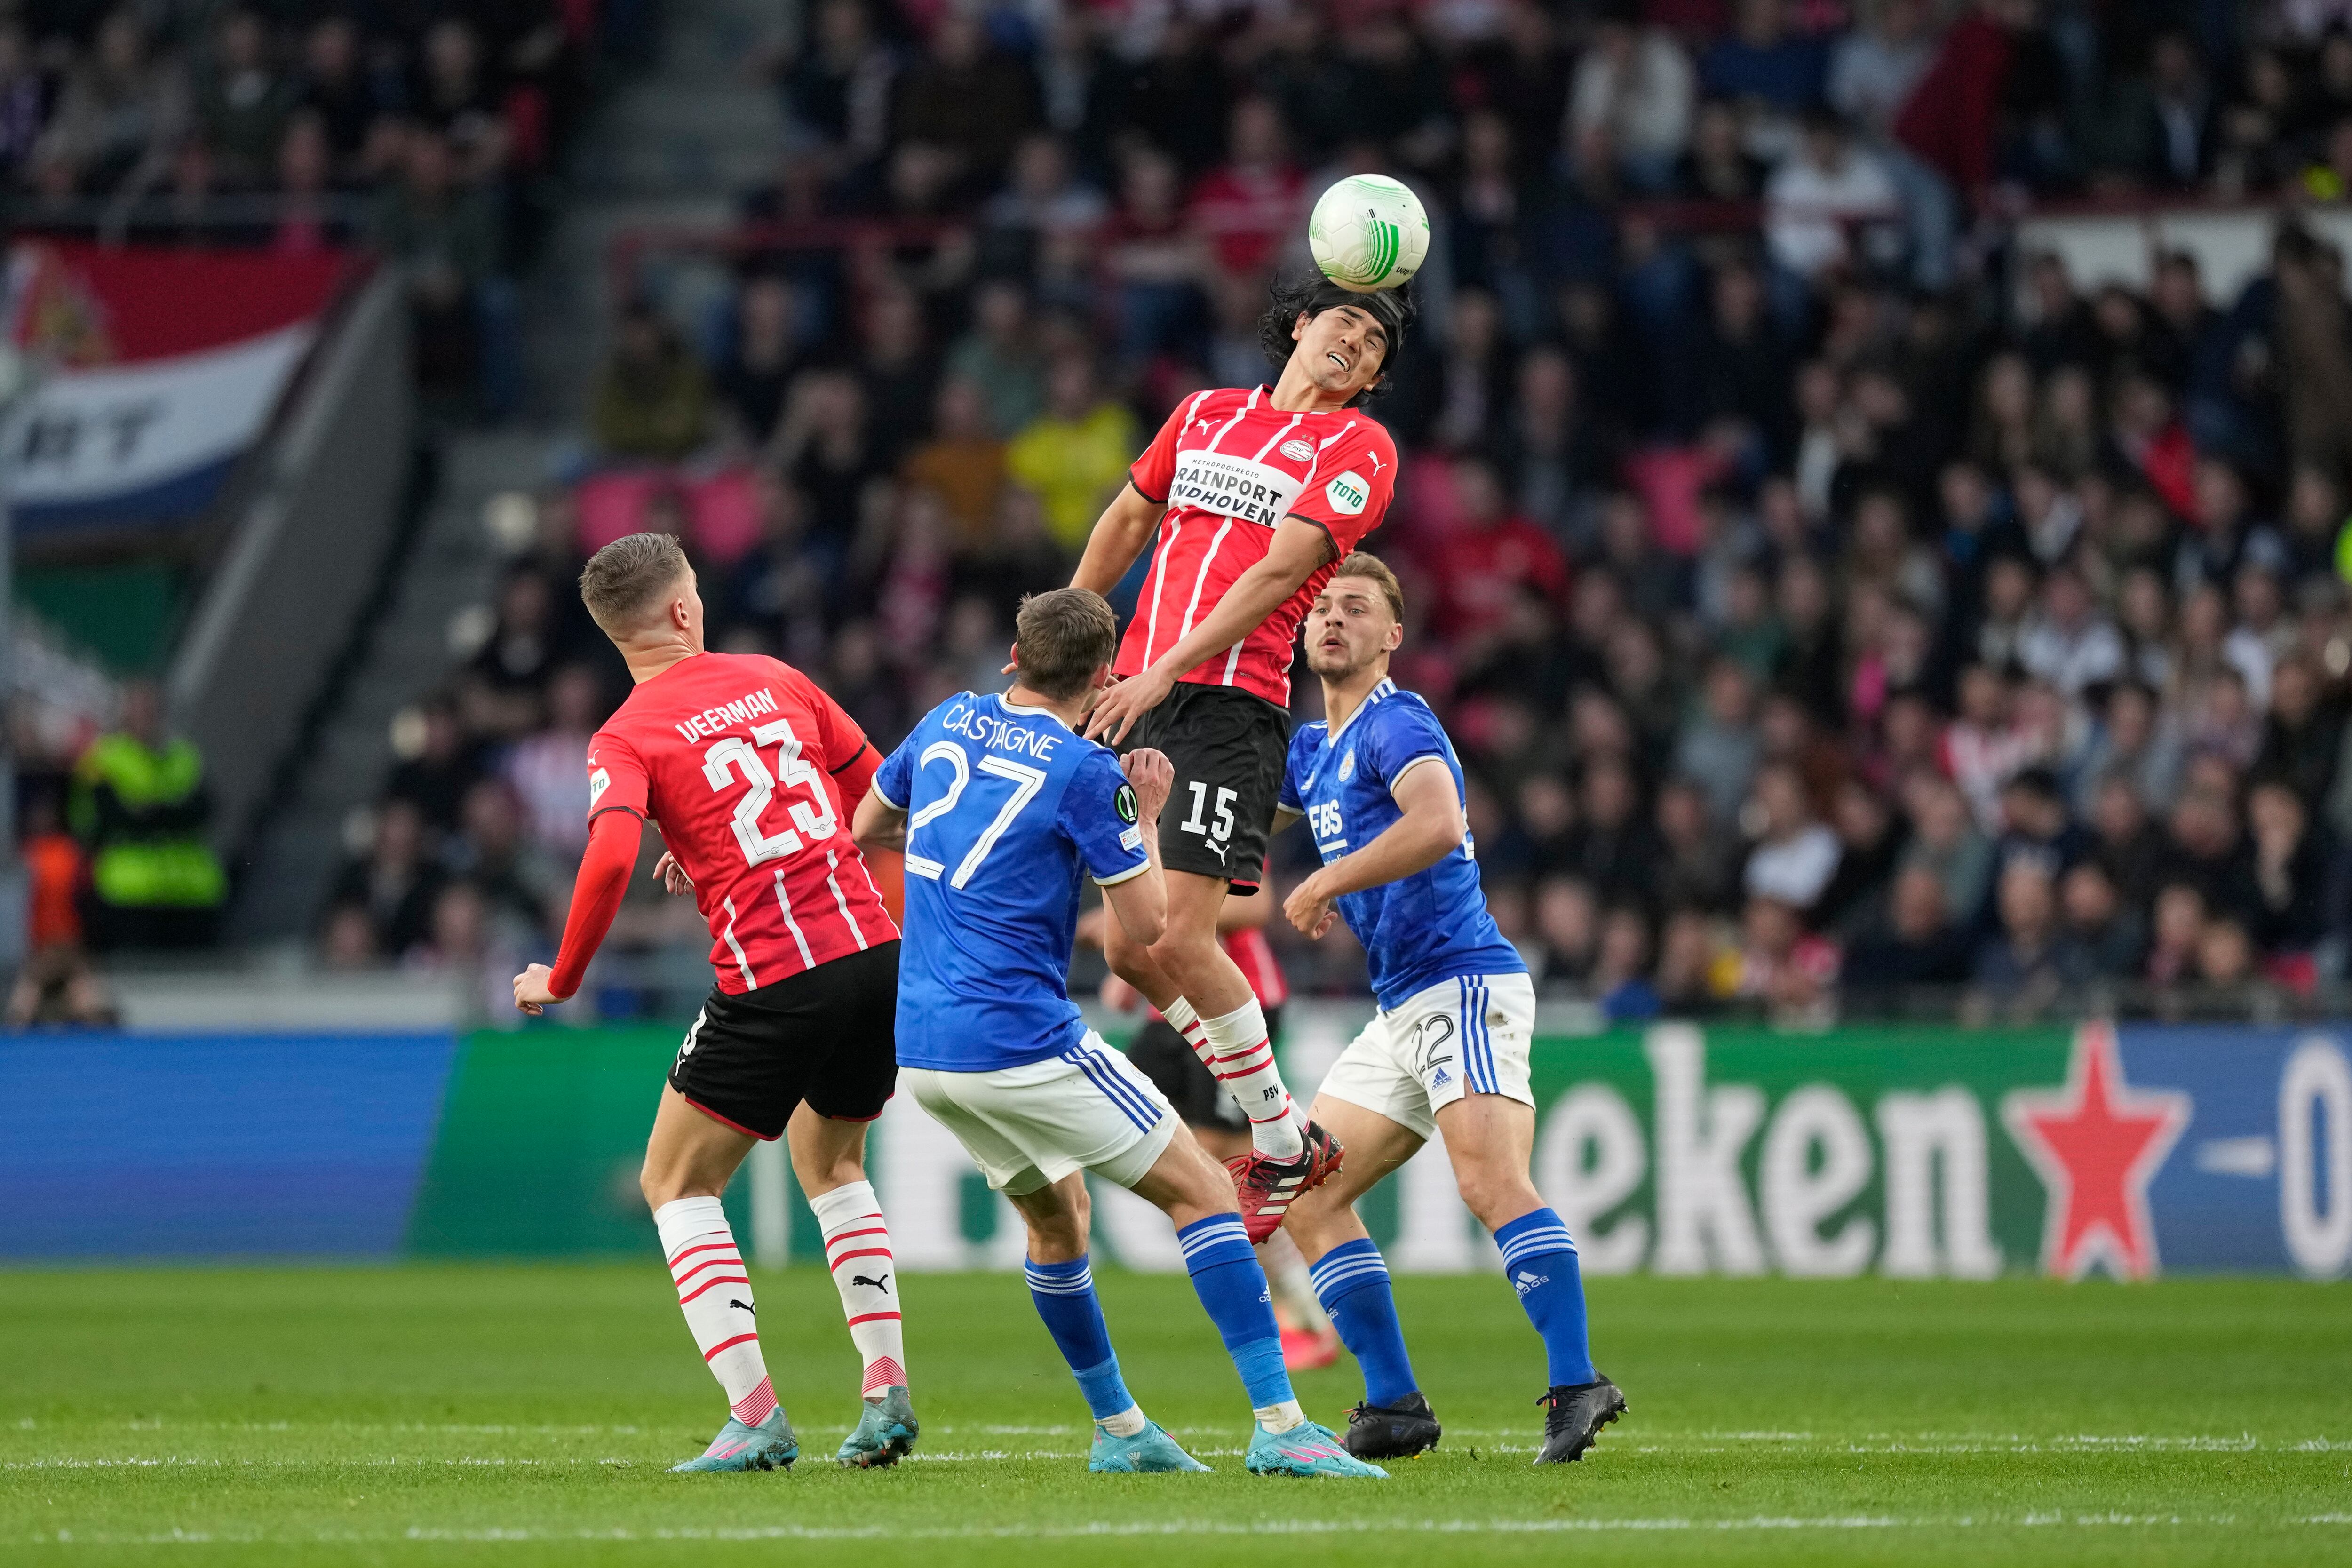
718,721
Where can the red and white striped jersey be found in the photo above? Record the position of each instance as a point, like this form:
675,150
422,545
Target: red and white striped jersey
1231,466
733,757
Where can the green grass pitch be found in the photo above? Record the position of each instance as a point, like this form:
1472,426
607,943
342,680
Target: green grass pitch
517,1415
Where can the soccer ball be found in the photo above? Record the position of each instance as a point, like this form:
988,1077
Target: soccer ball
1368,233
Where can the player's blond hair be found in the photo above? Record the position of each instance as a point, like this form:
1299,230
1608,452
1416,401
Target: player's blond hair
1365,564
1061,638
623,580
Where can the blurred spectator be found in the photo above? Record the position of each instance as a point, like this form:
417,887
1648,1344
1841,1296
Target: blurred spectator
1074,454
653,400
58,986
1912,941
1629,110
122,112
964,464
442,237
243,101
999,356
393,888
1795,854
1824,190
765,351
549,770
140,808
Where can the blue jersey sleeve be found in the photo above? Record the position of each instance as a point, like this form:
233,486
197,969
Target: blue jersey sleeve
1402,734
1289,799
894,780
1098,814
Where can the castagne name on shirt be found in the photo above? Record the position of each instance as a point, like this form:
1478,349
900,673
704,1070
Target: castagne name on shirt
998,734
718,721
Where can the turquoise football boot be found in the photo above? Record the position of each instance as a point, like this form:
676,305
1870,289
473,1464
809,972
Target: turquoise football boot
1150,1452
770,1446
886,1429
1306,1449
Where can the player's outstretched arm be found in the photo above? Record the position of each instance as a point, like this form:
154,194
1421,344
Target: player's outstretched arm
1431,828
1297,548
596,893
1120,536
878,825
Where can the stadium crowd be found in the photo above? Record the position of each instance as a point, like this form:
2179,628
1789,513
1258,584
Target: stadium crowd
1828,598
418,131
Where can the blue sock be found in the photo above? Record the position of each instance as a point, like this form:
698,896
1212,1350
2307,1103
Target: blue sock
1352,1283
1065,1294
1232,1285
1539,1260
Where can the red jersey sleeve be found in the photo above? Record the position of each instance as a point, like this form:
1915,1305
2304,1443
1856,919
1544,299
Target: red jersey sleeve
616,777
838,739
1154,473
1349,492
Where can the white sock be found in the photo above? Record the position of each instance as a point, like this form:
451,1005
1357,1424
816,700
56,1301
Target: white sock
1241,1057
715,1294
858,1251
1292,1282
1279,1417
1126,1424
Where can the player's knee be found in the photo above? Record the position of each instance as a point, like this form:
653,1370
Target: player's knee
662,1185
1495,1195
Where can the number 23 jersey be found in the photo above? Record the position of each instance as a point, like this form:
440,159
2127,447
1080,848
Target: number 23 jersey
732,756
1006,807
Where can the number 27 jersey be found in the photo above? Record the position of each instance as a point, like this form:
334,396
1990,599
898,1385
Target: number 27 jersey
1006,808
732,756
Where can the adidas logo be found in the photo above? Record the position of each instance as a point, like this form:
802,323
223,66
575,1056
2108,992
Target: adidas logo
1528,1279
1440,1079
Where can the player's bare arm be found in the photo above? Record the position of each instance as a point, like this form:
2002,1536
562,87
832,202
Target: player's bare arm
1119,535
1431,828
1299,549
1141,903
878,825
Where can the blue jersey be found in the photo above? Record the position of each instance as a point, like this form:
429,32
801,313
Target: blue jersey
1006,807
1421,929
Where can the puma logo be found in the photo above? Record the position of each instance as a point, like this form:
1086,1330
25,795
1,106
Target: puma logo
882,1284
1375,459
744,1307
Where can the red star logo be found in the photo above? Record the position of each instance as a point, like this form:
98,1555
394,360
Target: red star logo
2095,1143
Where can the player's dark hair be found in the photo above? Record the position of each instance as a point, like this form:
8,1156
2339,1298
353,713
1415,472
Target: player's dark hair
622,581
1313,294
1364,563
1061,638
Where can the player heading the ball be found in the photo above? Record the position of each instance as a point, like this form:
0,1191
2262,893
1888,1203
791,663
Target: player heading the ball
1381,788
1246,499
744,765
1002,807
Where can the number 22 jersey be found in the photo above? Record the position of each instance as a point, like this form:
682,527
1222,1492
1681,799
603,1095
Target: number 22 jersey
1006,807
1419,930
733,757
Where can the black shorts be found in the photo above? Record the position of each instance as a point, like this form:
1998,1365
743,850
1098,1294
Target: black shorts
1228,748
828,1036
1161,1055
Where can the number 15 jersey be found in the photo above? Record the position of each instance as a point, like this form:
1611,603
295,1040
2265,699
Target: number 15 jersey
732,756
1006,807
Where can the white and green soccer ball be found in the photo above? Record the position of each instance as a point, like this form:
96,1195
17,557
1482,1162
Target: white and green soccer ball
1368,233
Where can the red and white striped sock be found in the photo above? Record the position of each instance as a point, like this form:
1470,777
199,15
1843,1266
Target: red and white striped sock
715,1293
858,1251
1241,1056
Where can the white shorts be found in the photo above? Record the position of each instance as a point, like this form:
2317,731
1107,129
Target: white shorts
1028,1126
1465,1036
